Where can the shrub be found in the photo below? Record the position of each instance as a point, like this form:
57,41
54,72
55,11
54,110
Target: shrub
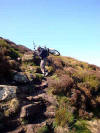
7,50
56,62
64,114
36,60
43,129
87,77
61,117
36,69
4,66
77,77
61,84
3,44
14,65
38,77
50,69
93,67
13,53
90,79
6,63
28,63
13,107
81,127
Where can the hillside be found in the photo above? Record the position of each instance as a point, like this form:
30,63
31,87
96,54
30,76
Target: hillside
22,49
67,101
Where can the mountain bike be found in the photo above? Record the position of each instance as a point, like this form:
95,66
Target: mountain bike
50,50
54,52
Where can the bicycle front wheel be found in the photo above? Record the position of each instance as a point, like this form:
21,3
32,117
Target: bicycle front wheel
54,52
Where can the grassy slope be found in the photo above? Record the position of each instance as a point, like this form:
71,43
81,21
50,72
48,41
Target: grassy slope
76,84
77,87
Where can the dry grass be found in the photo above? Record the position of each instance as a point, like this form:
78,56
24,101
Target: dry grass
12,107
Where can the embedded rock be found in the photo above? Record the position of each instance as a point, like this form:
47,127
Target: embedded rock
7,92
20,77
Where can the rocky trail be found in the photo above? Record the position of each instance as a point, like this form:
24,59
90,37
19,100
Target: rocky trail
30,103
37,109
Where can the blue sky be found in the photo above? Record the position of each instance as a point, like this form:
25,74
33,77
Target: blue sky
70,26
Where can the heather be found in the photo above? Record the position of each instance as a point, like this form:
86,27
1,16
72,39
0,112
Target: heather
67,100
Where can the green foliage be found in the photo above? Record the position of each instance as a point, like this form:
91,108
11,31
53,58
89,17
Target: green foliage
50,69
81,127
37,69
54,124
3,44
23,121
36,60
78,81
92,81
38,77
94,84
8,50
83,65
87,77
13,53
7,62
12,107
43,129
28,62
64,115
